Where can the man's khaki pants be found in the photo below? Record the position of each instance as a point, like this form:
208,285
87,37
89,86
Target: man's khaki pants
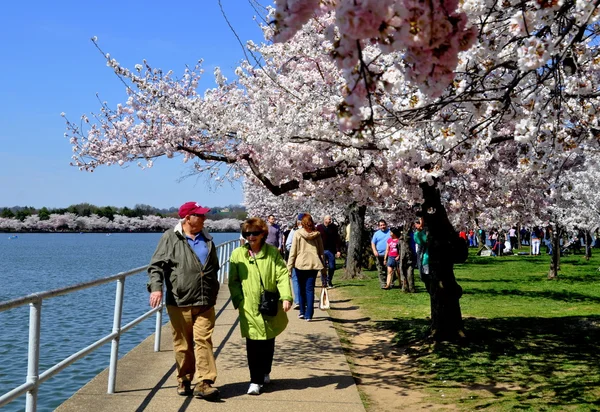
192,328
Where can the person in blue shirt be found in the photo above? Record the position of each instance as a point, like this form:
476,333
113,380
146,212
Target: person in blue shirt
379,244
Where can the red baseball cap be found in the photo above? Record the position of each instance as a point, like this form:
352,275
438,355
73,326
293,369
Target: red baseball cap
192,208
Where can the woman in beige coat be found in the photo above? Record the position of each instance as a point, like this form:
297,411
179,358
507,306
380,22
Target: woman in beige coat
306,256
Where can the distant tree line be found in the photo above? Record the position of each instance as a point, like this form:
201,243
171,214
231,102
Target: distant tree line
89,218
109,212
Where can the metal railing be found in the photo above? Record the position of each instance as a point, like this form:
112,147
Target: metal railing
35,379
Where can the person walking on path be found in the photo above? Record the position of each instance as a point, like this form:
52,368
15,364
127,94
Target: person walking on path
306,256
288,247
275,235
254,268
186,263
378,245
333,246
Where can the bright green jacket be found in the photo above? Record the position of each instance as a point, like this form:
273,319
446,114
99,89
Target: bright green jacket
245,289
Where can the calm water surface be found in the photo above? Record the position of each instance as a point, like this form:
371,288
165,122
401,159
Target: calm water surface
39,262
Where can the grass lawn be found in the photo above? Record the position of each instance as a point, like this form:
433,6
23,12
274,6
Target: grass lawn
532,343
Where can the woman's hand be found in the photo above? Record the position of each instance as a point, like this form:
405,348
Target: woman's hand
287,305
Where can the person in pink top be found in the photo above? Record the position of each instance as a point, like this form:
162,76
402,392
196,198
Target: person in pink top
392,256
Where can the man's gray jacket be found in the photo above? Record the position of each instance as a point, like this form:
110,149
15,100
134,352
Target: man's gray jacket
176,266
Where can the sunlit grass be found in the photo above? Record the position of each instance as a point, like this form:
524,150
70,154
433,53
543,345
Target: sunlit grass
532,343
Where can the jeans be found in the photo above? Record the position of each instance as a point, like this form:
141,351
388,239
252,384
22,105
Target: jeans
330,263
535,246
295,287
306,281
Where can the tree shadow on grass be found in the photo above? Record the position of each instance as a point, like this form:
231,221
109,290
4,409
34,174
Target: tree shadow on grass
540,362
563,296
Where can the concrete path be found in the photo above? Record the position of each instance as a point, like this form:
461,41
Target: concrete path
310,373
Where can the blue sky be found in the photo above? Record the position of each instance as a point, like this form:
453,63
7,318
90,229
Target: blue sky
49,66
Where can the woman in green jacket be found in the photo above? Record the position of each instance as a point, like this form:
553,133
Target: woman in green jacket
250,264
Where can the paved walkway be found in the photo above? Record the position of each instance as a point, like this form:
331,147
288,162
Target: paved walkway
310,373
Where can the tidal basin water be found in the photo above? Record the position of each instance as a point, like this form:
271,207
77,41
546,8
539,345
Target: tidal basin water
38,262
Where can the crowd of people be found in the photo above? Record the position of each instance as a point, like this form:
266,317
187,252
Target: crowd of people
274,271
528,240
185,268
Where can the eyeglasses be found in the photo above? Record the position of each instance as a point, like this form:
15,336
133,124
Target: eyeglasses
254,233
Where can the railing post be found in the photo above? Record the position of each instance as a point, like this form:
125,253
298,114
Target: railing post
114,350
33,357
221,263
157,334
229,250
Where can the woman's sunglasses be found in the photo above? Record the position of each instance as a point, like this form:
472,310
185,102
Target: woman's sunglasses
255,233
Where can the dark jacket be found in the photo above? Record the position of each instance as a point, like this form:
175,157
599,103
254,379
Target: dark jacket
176,265
331,237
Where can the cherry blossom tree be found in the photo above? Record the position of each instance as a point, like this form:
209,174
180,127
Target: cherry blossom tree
378,102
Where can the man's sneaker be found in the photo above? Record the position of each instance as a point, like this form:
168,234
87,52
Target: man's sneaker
205,390
267,378
330,286
296,306
300,316
184,388
254,389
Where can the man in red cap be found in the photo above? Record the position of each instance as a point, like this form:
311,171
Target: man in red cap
186,263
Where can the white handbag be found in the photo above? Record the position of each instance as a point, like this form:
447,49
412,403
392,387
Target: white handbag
324,300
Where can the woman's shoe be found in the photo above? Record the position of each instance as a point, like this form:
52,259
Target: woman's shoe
254,389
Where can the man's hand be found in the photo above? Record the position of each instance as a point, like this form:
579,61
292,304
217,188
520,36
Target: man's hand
287,305
155,299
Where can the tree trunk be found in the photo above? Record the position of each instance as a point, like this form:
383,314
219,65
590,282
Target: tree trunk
588,244
356,217
555,260
444,247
